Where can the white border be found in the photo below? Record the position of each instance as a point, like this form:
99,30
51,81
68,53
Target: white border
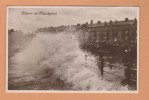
56,91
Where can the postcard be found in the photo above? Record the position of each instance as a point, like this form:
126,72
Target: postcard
72,49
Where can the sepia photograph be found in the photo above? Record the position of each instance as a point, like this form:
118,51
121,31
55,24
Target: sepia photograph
72,49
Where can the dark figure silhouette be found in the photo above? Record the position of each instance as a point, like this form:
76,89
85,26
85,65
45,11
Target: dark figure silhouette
102,61
127,62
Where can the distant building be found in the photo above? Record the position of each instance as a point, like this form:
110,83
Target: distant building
12,31
51,29
125,30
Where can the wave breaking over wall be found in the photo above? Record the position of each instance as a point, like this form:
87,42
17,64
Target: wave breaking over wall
59,56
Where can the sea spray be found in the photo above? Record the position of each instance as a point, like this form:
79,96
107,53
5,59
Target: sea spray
59,56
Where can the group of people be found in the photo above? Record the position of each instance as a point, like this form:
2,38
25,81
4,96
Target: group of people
120,49
125,50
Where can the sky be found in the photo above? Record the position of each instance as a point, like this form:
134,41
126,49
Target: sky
28,19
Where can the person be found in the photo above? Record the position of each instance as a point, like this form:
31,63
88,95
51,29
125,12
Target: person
102,61
127,72
127,63
85,56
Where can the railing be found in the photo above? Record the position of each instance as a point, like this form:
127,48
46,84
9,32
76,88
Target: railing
130,77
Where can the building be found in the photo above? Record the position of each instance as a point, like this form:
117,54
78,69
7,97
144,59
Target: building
12,31
125,30
51,29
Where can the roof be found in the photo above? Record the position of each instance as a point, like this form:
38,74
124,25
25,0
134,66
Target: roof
123,22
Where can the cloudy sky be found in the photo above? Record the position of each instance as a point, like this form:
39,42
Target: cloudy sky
64,16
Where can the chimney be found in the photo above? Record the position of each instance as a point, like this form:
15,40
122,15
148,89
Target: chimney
115,21
126,19
110,22
99,22
105,23
86,23
78,24
135,20
91,22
